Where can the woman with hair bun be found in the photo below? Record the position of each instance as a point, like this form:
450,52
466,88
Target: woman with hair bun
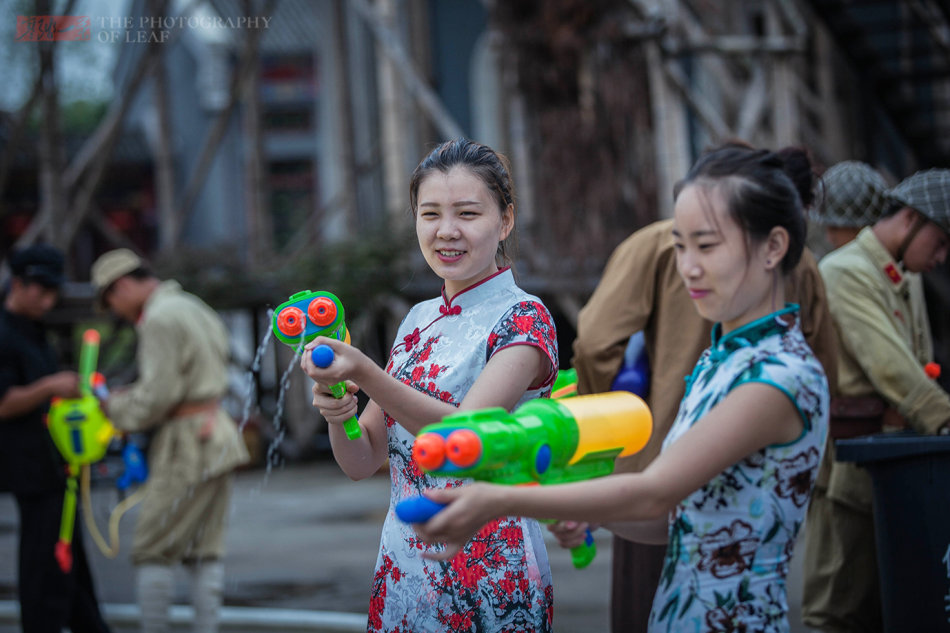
729,491
484,342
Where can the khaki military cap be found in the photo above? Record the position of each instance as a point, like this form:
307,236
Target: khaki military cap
110,267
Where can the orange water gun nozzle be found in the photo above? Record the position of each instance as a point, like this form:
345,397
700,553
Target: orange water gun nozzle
429,451
464,448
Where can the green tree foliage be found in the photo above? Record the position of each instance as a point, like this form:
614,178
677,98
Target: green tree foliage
360,270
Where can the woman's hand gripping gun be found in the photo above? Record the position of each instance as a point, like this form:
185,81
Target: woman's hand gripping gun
304,317
543,442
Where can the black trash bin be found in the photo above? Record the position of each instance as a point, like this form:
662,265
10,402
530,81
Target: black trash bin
910,475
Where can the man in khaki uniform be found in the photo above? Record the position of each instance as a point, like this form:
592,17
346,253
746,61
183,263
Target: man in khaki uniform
855,196
876,298
182,357
641,290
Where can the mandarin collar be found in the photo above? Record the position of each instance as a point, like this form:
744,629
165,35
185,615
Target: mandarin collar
753,332
882,259
477,292
470,296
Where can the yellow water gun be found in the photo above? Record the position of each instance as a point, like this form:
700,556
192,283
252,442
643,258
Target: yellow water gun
82,433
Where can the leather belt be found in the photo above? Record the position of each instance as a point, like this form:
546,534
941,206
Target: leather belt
192,408
853,416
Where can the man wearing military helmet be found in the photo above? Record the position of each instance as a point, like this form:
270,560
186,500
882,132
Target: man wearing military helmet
875,294
926,197
855,196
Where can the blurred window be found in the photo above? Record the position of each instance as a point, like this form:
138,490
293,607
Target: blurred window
292,193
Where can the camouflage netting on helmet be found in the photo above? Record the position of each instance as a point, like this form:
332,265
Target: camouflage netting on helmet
855,195
929,193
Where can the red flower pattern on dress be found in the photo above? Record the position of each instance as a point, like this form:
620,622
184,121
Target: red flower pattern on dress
529,318
524,323
511,534
466,592
468,570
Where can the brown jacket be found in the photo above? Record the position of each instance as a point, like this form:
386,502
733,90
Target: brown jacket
641,290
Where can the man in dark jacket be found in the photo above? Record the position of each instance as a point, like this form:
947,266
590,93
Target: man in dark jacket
30,467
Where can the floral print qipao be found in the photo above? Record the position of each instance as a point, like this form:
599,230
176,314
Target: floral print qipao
731,540
501,581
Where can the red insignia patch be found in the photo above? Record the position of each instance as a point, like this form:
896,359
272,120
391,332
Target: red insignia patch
892,273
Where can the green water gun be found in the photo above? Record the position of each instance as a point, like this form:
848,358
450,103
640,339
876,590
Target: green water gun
304,317
81,433
543,442
565,384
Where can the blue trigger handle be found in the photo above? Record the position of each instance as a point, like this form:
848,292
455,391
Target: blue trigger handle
421,509
322,356
417,509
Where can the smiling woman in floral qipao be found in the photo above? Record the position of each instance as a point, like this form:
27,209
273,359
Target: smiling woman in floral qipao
729,491
484,342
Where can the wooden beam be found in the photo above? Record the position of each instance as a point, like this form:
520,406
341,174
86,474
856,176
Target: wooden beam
95,151
736,45
394,120
219,127
258,229
825,104
412,78
670,138
346,137
709,115
164,167
752,107
86,187
108,129
785,114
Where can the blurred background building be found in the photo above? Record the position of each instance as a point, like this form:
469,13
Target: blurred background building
253,148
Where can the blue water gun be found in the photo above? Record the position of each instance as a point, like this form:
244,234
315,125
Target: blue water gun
634,374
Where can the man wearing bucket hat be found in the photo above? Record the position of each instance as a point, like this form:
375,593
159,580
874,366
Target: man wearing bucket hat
182,358
855,196
30,466
876,298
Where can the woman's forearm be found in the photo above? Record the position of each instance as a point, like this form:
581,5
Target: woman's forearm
364,456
